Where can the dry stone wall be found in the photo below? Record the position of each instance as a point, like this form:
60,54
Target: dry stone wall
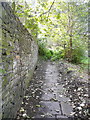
19,57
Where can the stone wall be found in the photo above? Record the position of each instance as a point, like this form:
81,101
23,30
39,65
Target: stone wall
19,57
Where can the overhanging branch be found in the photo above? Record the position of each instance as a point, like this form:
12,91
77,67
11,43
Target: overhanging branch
49,9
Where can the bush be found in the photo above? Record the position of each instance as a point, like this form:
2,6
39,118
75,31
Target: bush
85,60
77,55
43,51
49,54
56,55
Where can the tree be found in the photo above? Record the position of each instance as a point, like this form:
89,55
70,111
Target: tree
61,23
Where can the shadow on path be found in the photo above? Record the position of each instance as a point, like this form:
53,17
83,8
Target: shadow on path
45,97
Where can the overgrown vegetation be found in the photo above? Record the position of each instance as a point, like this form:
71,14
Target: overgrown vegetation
47,53
60,28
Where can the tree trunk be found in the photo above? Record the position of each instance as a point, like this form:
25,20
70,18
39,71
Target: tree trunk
70,51
70,33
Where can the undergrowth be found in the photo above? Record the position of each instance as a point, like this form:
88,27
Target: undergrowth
48,54
78,56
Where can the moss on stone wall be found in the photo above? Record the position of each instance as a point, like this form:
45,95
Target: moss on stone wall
19,57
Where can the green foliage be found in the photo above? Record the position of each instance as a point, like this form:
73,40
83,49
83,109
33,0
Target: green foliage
46,53
85,60
28,18
84,63
5,82
56,55
43,51
2,71
58,24
78,54
32,25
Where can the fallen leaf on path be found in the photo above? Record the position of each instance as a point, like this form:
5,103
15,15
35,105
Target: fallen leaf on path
57,111
42,115
24,115
22,109
38,105
54,99
60,95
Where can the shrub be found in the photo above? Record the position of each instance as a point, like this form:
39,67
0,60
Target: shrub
56,55
43,51
77,55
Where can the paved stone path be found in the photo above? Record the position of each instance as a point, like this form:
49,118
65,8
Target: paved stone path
45,97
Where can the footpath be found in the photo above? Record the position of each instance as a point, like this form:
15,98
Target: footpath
50,93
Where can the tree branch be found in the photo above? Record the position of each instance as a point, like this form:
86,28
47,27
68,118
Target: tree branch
49,9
